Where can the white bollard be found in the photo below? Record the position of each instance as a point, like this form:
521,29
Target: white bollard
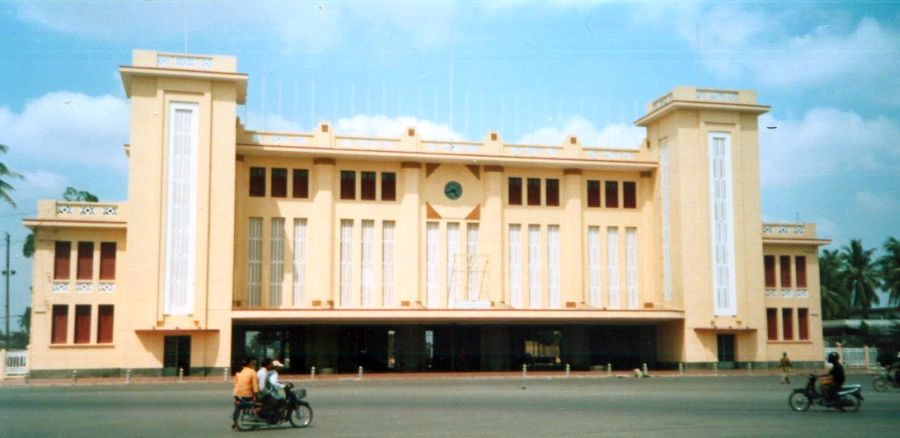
644,370
608,369
749,368
312,373
568,369
180,374
128,376
716,368
359,375
225,373
74,376
524,370
681,368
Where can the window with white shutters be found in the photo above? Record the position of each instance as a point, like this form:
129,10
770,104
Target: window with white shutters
346,261
299,261
553,252
515,266
473,280
612,266
594,266
276,262
452,262
432,266
666,231
631,267
387,263
254,262
722,228
181,209
534,266
368,269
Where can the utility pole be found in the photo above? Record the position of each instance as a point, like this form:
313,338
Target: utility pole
7,273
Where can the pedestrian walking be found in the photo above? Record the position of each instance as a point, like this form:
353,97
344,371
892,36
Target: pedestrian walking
785,366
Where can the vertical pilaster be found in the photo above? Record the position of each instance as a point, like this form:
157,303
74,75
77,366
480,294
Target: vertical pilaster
406,239
321,232
491,234
572,252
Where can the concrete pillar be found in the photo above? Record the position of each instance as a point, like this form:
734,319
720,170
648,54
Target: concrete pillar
321,233
491,234
407,233
572,263
2,364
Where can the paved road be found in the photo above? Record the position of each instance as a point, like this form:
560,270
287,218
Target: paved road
538,407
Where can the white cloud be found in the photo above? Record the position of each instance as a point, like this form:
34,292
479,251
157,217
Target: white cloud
42,184
876,202
615,136
80,129
382,126
825,142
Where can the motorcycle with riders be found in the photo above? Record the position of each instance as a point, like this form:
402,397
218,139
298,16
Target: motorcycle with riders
831,394
254,414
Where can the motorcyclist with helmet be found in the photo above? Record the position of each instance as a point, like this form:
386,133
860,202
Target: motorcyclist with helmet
833,380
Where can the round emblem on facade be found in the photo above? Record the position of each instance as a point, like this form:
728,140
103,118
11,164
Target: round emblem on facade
453,190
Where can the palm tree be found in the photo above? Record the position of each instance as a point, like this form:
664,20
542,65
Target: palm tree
889,267
835,301
861,276
5,175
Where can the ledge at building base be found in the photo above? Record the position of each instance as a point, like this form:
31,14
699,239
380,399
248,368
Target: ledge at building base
119,372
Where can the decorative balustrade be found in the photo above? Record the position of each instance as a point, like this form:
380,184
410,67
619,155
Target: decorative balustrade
787,293
662,101
374,143
84,287
533,150
282,139
802,293
191,62
60,287
448,146
771,292
806,231
106,287
717,95
82,210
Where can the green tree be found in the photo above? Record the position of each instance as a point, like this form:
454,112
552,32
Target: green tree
861,276
6,174
25,320
889,268
835,296
71,194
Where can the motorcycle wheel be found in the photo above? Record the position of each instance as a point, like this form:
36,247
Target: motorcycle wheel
880,384
302,416
799,401
851,403
245,421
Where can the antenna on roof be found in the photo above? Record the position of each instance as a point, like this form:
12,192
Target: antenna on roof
184,23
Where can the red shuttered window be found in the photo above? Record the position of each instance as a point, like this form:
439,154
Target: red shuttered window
593,193
515,191
769,262
104,324
629,194
388,186
60,324
800,265
61,260
279,183
348,184
85,261
803,323
257,181
785,272
83,324
367,189
612,194
534,191
301,184
552,192
772,323
787,324
107,260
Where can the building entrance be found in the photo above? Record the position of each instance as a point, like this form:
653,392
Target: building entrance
725,344
176,355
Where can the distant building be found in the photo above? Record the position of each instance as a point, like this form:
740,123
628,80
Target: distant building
409,253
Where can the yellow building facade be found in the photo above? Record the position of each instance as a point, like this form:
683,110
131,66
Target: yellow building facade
411,254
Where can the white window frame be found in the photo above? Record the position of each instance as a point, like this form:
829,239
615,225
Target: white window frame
612,266
452,262
553,267
387,263
276,261
346,275
722,224
515,265
432,263
254,261
473,280
534,266
181,211
367,279
631,267
594,266
666,224
299,274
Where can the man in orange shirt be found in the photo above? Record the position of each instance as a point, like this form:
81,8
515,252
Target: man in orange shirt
246,385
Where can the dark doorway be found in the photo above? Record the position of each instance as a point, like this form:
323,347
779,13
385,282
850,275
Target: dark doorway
176,355
726,350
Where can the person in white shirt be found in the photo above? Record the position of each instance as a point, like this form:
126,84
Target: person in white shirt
265,394
273,378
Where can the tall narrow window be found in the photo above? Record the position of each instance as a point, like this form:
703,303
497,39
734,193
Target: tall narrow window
257,181
629,194
107,260
553,256
254,261
60,324
452,262
772,323
666,228
534,191
348,184
800,264
803,323
387,263
367,186
534,266
785,262
300,184
612,194
593,193
473,280
83,324
552,192
181,210
346,261
787,324
722,224
367,281
594,266
276,261
279,183
769,263
388,186
515,191
299,280
631,265
61,260
85,261
432,266
612,266
105,324
515,266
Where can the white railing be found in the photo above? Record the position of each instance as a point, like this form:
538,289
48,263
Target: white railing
16,363
855,357
80,209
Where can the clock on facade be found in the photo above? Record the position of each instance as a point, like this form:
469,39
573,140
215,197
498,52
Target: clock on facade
453,190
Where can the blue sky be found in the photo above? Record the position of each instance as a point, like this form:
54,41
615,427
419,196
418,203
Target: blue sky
534,71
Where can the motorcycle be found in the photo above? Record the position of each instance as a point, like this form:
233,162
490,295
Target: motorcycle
849,398
292,409
884,381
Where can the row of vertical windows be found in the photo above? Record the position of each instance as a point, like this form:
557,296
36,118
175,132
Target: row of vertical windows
785,265
533,191
787,324
461,267
611,194
60,324
277,246
366,264
612,267
534,264
84,267
279,183
368,186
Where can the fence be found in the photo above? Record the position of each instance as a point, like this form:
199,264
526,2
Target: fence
16,363
855,357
